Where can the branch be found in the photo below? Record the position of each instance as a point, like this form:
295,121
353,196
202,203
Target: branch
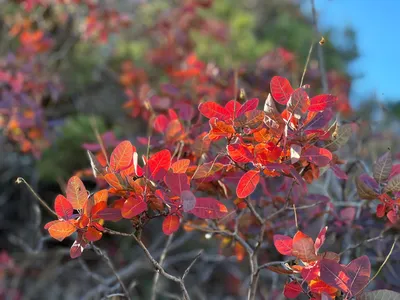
107,259
37,197
324,80
157,274
380,236
156,264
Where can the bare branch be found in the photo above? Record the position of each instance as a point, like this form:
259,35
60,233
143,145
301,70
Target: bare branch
107,259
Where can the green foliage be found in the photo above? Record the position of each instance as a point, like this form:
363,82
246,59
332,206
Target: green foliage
66,155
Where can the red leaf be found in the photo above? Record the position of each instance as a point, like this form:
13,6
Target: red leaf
319,156
380,210
160,123
284,244
76,192
110,214
177,182
188,200
320,102
240,153
96,209
158,165
281,89
248,183
92,234
212,109
180,166
292,290
121,157
303,247
77,247
319,241
133,207
170,224
209,208
63,207
249,105
233,106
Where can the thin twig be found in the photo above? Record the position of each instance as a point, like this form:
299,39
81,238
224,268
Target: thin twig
155,263
380,236
107,259
191,264
37,197
384,262
307,62
157,274
324,80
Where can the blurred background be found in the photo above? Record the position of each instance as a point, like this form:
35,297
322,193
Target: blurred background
71,68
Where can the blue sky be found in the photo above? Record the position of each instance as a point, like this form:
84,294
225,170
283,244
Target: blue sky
377,24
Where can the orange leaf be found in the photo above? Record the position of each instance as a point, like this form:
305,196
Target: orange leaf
133,207
76,192
101,196
121,157
61,230
180,166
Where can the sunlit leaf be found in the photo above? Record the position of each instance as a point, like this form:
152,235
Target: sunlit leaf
158,165
170,224
63,207
240,153
248,183
321,102
100,196
283,243
212,109
249,105
121,157
92,234
76,192
292,290
132,207
180,166
281,89
61,230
